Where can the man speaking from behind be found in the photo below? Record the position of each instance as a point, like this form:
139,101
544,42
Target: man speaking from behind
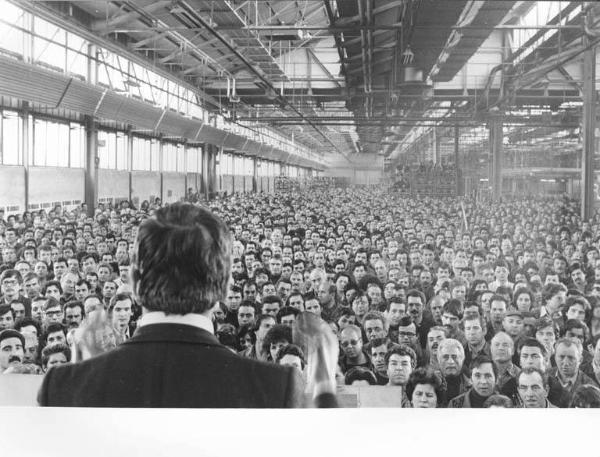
179,270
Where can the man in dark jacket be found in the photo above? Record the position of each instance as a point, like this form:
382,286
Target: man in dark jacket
180,269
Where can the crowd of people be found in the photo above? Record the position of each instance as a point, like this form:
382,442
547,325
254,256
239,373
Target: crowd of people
462,305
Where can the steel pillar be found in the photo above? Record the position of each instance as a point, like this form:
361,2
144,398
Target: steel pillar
589,126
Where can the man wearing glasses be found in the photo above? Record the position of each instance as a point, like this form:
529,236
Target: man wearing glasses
352,354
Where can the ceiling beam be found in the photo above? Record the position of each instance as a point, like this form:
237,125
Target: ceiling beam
104,27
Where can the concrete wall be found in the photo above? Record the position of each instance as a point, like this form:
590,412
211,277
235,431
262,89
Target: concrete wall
248,184
50,186
227,184
12,189
194,180
238,183
113,184
364,169
263,184
145,185
173,187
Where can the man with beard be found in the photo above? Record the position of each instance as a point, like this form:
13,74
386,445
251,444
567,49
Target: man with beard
483,379
12,344
451,357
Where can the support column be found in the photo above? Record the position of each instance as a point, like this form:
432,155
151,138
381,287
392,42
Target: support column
254,175
496,136
437,153
130,162
458,178
91,165
27,154
589,125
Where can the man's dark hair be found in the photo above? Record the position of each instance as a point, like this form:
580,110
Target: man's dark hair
286,311
585,396
27,321
4,309
55,349
260,318
405,321
360,374
243,331
182,262
416,293
454,307
402,350
53,328
532,342
7,274
272,299
52,283
291,349
482,360
74,304
425,375
276,333
86,282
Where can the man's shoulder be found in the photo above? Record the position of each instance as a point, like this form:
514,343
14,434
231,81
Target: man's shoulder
458,401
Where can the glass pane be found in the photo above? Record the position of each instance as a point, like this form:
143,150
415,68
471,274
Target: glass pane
77,146
50,53
121,163
112,151
62,152
39,143
155,157
11,145
11,39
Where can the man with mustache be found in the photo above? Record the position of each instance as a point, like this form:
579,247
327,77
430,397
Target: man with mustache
12,352
435,336
415,303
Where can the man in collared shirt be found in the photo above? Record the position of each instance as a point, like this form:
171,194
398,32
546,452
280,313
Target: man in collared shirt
121,312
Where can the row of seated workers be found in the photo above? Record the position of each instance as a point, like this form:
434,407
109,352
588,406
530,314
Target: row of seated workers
498,306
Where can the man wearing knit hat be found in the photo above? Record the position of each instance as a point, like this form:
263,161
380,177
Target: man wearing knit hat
12,345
